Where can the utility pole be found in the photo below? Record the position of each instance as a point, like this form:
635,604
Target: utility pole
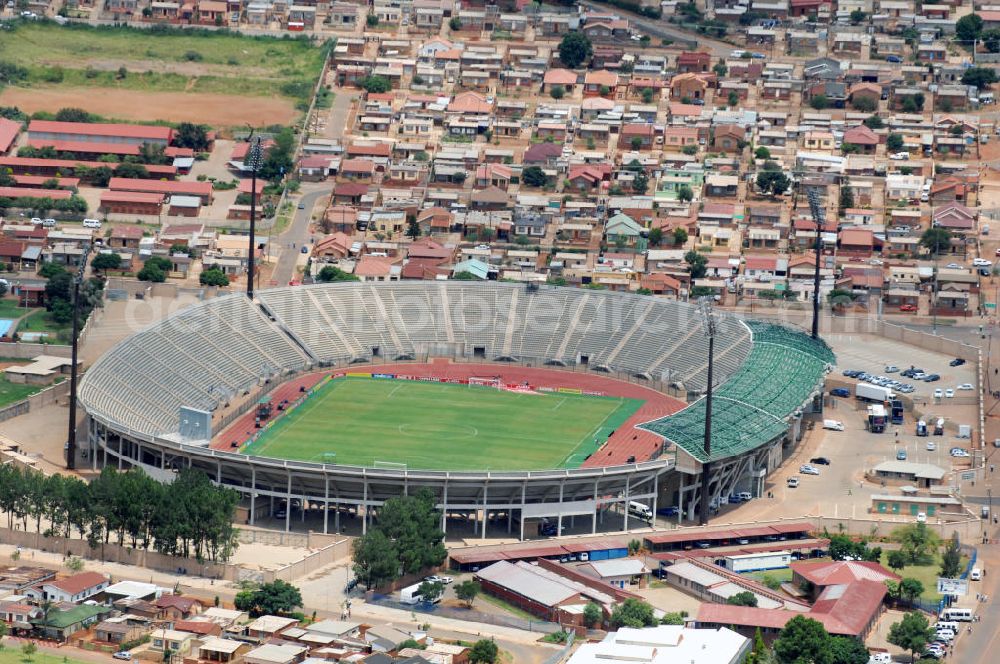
73,372
708,314
816,209
254,158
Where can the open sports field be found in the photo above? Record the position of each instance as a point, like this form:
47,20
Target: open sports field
442,426
43,55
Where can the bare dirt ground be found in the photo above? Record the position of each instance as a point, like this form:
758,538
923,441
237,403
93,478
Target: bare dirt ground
212,109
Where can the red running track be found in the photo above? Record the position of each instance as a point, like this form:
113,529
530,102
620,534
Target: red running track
627,441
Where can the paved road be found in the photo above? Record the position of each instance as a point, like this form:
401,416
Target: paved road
295,236
663,29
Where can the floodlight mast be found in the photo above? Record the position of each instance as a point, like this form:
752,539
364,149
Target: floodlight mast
710,324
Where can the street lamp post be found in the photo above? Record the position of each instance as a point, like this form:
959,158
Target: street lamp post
706,466
71,426
255,156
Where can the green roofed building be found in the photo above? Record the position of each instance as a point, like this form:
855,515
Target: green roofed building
60,624
755,410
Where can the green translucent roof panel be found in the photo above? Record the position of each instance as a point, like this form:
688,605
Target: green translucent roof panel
782,372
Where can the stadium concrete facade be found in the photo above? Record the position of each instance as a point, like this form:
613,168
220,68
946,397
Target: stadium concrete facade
156,400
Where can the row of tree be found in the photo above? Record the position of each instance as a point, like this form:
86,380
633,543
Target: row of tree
189,517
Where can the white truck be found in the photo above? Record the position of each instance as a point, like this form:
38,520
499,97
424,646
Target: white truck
873,392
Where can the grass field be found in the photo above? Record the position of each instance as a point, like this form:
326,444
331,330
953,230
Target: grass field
12,655
162,60
443,426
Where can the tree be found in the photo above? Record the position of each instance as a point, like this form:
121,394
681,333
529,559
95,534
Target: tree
574,49
802,641
916,541
857,16
914,104
655,237
640,183
331,273
773,182
819,102
951,559
733,99
635,143
894,142
376,84
72,115
152,273
129,170
375,558
991,40
192,136
672,618
455,24
762,153
864,104
557,92
467,591
968,28
275,598
28,650
633,613
592,614
213,276
534,176
896,560
680,236
910,589
371,20
412,227
465,275
106,261
430,591
697,264
847,650
685,193
745,598
874,122
644,41
935,240
981,77
484,651
846,201
720,68
841,546
911,633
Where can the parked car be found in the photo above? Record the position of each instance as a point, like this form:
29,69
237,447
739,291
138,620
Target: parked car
965,386
931,446
900,455
959,453
840,392
900,156
806,469
931,378
124,655
821,461
982,262
892,368
792,482
908,307
949,393
893,58
938,393
957,362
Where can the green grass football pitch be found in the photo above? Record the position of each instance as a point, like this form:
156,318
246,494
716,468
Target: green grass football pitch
361,421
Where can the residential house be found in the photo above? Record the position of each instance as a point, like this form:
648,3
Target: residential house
601,83
75,588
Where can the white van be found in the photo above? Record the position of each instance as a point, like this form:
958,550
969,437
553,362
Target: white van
946,624
955,613
976,574
639,510
91,223
833,425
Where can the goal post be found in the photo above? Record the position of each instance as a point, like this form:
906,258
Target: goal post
388,465
493,382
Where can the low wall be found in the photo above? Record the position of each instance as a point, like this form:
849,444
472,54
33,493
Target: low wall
49,395
27,351
112,552
330,553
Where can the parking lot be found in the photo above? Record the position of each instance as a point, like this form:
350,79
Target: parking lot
840,490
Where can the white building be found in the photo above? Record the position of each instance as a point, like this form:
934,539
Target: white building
666,644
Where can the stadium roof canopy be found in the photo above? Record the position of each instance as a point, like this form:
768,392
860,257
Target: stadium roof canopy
783,371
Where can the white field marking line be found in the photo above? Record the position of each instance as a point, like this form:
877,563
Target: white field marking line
594,432
312,401
393,391
561,402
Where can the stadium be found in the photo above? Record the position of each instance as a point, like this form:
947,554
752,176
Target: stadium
510,402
